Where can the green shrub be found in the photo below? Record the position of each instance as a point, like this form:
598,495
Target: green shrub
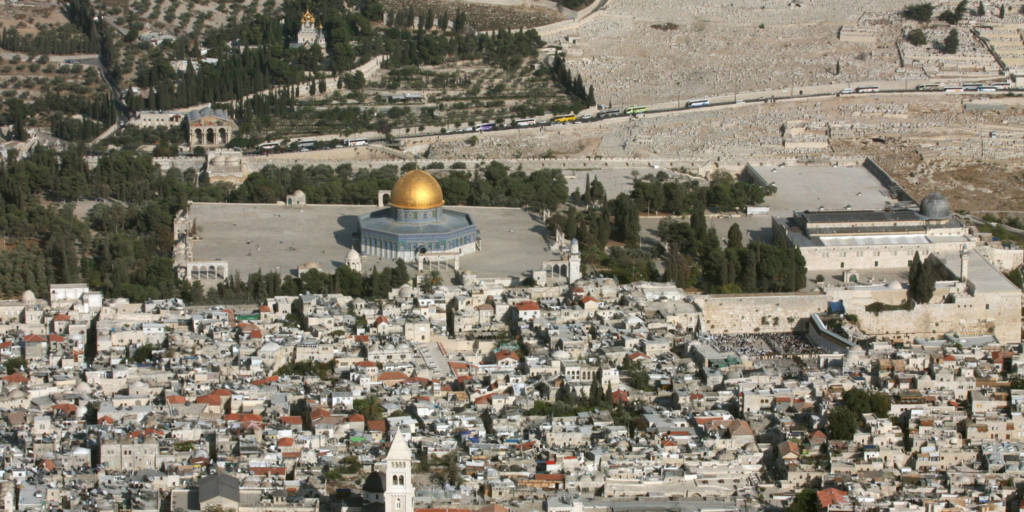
916,37
918,12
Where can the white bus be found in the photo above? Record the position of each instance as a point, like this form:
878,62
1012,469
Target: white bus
697,103
356,142
525,122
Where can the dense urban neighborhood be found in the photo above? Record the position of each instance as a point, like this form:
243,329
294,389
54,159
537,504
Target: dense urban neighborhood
563,398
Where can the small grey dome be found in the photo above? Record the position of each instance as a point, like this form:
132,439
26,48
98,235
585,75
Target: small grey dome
935,206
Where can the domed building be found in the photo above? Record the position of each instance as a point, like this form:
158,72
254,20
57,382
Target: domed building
310,33
416,223
935,207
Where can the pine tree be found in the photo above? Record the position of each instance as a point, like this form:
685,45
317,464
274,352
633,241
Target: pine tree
735,237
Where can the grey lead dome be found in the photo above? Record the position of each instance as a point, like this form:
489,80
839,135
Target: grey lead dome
935,206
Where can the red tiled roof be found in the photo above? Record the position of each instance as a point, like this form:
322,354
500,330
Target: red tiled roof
285,442
392,376
174,399
268,470
557,477
61,317
243,417
376,425
291,420
208,400
34,338
506,354
15,378
380,320
620,396
528,305
68,409
831,496
264,309
266,380
135,434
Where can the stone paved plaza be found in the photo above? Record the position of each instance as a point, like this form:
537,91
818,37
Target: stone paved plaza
269,237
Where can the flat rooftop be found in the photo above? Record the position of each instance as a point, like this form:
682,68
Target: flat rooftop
980,273
274,237
850,216
823,188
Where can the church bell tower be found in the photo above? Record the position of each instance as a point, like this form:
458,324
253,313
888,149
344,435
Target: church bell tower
398,491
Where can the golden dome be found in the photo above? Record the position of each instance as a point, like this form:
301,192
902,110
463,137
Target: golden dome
308,18
416,190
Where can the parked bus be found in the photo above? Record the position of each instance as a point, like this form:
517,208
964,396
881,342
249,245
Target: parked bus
355,142
697,103
568,118
635,110
484,127
929,87
867,88
611,112
526,122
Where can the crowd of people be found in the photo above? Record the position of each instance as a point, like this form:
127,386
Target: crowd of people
761,344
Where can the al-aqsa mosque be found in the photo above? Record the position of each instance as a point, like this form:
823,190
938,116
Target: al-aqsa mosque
416,224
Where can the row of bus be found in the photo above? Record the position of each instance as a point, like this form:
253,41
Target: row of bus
562,119
998,86
634,110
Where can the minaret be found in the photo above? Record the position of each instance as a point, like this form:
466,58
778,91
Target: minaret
963,263
398,491
575,270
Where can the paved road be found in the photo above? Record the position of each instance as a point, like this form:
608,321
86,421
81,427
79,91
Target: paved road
737,100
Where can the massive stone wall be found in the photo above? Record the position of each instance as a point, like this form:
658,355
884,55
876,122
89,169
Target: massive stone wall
995,313
746,313
890,256
977,315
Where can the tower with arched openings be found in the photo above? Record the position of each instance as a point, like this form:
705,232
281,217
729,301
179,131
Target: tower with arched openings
399,492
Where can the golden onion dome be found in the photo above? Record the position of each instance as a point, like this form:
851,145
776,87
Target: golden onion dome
308,18
416,190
